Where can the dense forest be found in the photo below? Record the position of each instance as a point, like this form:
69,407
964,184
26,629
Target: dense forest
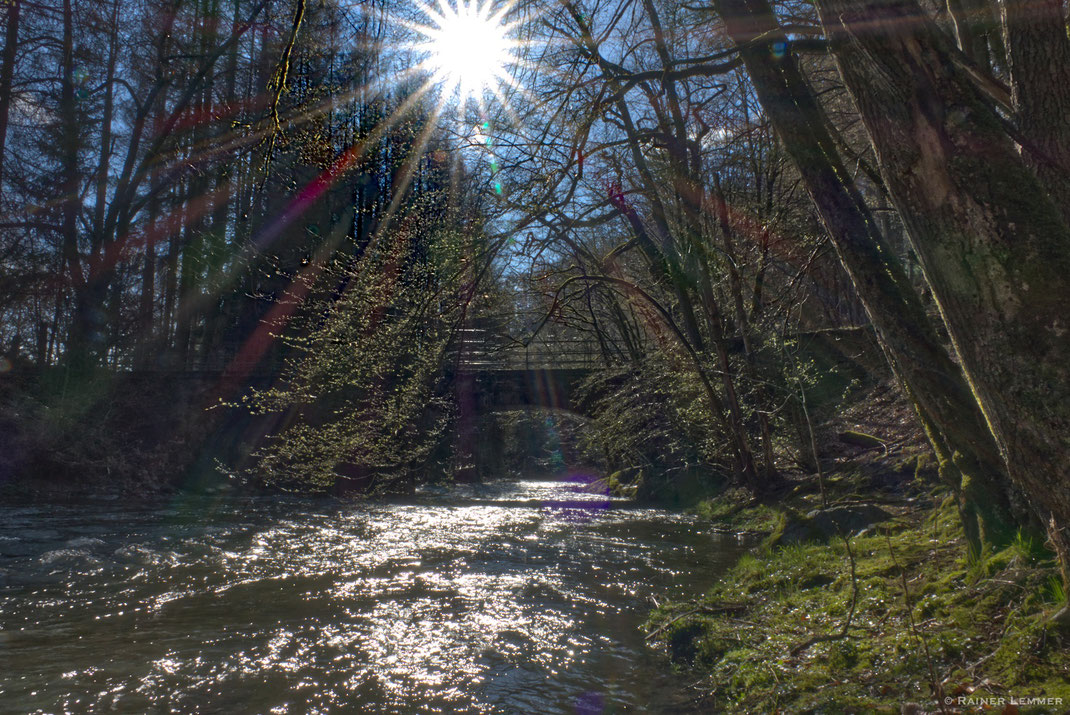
803,267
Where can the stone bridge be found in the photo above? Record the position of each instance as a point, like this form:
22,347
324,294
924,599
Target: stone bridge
491,376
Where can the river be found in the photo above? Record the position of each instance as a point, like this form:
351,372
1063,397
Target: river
515,596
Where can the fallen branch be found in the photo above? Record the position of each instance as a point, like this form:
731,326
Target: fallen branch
705,608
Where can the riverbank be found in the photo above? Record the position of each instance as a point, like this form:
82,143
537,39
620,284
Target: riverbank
106,436
892,619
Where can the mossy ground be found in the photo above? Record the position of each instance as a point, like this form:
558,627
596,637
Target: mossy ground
956,629
736,511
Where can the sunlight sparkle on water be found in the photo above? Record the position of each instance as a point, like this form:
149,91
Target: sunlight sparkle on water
469,48
511,596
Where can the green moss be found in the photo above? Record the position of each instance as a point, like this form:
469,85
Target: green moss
860,439
982,620
624,483
735,510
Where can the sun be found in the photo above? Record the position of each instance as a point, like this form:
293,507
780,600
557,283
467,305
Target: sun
468,46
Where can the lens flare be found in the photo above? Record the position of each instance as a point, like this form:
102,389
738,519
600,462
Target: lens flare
469,48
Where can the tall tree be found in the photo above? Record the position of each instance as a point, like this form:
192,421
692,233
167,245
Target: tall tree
993,246
968,456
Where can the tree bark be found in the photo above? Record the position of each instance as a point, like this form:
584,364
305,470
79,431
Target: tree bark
969,458
1038,59
974,29
992,245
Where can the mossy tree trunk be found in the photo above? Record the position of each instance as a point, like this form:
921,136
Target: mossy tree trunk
968,455
992,244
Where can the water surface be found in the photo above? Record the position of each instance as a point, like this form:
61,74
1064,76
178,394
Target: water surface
523,596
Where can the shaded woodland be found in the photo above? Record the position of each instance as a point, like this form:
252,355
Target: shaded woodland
254,238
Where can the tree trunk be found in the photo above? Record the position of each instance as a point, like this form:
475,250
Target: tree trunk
218,250
1038,58
79,350
104,166
970,461
170,287
993,246
742,321
7,72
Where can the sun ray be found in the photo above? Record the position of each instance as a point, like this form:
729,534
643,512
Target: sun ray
469,47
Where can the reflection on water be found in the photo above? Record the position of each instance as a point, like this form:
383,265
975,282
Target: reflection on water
515,596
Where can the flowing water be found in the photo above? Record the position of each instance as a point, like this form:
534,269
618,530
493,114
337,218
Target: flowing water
523,596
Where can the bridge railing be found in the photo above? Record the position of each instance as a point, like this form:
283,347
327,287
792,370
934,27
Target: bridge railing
483,350
479,348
